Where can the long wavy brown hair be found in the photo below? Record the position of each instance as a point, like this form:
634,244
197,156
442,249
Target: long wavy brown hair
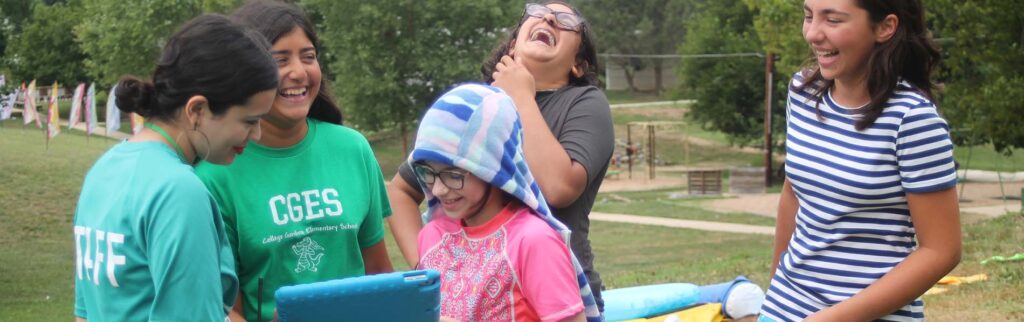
909,55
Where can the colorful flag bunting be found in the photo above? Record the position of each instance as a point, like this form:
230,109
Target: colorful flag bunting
75,115
90,109
29,108
113,113
137,122
53,115
8,108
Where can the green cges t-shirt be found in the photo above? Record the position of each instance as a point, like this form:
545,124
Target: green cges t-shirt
300,214
149,244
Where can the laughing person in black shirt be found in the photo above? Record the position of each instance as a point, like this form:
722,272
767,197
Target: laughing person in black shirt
548,65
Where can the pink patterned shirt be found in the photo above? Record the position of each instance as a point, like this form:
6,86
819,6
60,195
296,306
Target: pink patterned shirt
512,268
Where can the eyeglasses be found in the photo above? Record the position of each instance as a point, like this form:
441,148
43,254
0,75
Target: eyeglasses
565,20
452,179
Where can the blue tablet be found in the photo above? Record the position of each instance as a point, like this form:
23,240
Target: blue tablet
402,296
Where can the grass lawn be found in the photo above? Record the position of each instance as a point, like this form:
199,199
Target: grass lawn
658,203
1001,297
631,255
389,153
623,116
985,157
38,190
625,96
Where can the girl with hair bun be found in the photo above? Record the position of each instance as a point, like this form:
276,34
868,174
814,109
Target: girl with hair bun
150,242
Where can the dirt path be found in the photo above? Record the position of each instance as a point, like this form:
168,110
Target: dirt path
682,223
979,198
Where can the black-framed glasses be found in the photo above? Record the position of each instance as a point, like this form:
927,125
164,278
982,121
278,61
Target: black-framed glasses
452,179
563,20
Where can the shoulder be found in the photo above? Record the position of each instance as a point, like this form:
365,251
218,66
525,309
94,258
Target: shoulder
798,78
335,131
586,101
166,172
185,183
147,173
433,230
207,172
913,105
799,83
909,96
173,189
528,227
339,135
588,92
804,94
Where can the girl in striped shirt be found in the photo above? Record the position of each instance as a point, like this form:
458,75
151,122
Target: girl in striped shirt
868,217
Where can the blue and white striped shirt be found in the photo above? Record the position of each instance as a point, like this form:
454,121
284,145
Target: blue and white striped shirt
853,224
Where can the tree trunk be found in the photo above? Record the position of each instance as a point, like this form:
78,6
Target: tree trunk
405,140
629,78
657,76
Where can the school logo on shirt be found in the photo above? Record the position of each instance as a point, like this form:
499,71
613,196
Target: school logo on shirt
309,253
304,206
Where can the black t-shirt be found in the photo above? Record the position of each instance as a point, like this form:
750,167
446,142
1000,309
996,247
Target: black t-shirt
580,118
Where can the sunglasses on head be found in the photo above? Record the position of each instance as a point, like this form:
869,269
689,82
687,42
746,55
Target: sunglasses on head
452,179
563,20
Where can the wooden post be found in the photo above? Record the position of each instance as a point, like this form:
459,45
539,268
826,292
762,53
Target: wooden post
769,60
629,148
405,140
651,153
686,148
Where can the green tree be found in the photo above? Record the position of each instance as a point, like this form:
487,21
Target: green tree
638,27
779,26
125,37
392,58
46,50
729,90
983,70
12,14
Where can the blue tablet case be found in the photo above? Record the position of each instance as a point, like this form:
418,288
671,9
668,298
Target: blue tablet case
402,296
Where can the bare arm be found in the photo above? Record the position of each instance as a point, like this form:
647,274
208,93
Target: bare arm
78,319
375,259
237,314
561,179
405,219
936,218
785,223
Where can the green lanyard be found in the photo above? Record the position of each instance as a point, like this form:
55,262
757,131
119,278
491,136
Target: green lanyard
158,130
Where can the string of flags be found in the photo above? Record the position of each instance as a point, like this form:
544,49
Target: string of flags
83,110
53,115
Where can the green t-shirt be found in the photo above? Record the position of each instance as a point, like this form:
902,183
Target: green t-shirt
300,214
149,244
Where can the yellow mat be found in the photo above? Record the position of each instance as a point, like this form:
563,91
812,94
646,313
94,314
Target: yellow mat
711,312
954,280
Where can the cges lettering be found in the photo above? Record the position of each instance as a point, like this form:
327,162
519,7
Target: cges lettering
305,205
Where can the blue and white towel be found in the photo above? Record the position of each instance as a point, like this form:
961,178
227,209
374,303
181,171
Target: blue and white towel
476,128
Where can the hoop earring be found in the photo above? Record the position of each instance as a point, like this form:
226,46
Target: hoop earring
177,139
205,138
